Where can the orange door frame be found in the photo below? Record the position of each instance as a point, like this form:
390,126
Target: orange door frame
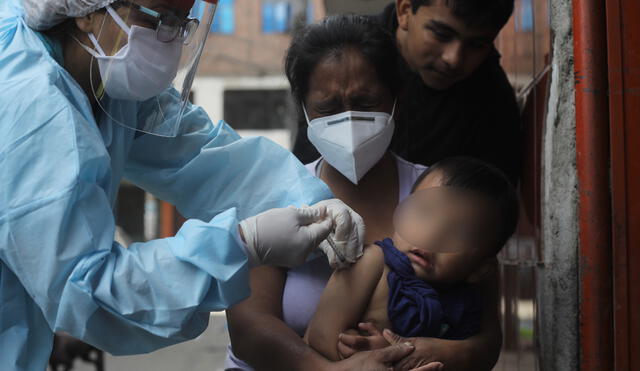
594,220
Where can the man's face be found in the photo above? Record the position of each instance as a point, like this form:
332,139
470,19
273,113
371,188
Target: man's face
438,45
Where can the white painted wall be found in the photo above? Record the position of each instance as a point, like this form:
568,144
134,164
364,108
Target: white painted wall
209,91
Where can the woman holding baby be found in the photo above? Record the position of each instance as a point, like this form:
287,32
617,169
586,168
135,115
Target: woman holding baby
342,72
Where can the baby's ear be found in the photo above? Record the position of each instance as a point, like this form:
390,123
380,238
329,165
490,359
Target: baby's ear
488,268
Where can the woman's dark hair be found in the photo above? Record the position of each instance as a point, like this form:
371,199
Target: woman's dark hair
68,26
481,13
478,176
332,37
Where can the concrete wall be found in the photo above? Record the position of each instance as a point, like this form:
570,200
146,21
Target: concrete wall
558,278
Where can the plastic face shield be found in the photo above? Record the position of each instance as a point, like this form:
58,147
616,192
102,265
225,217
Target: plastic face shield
153,63
415,218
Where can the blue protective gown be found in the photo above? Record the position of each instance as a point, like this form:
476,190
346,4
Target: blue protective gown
60,269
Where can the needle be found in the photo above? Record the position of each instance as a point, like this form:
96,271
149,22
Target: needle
335,249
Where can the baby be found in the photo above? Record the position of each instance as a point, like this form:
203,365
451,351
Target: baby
447,234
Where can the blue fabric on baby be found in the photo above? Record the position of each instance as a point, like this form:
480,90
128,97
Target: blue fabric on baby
416,309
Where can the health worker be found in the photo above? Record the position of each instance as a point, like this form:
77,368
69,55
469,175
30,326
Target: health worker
94,91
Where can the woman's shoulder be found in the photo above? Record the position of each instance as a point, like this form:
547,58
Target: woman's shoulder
33,76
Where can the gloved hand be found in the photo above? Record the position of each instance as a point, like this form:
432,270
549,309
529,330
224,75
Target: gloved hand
284,237
348,234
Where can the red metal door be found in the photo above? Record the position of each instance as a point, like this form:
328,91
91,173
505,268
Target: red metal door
592,157
623,40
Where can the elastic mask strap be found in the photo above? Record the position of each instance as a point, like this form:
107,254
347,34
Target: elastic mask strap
94,41
100,52
96,44
393,111
306,116
116,17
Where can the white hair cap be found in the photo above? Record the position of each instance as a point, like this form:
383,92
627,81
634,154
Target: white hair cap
43,14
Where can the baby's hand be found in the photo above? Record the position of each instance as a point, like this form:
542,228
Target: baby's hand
369,337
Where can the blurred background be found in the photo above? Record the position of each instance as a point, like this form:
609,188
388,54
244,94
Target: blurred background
241,81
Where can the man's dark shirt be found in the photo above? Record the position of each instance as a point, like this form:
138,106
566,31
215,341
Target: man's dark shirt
477,117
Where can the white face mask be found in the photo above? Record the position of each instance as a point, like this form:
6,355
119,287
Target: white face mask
352,142
140,70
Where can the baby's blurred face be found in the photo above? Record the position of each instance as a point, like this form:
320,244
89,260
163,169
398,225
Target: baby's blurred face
446,232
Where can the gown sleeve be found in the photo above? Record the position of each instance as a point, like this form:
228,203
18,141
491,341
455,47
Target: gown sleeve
57,224
213,169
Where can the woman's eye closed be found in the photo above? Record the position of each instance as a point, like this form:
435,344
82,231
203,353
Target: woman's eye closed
366,104
327,108
366,107
326,111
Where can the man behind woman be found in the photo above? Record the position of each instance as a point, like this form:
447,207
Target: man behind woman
454,98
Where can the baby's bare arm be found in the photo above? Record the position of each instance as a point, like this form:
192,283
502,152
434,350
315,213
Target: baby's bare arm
344,301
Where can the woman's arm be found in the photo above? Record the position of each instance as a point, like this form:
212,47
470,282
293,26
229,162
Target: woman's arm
261,338
258,334
484,348
343,302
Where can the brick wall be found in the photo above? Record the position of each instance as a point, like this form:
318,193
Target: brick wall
525,51
248,52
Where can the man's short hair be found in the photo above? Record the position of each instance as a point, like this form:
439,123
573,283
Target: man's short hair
476,13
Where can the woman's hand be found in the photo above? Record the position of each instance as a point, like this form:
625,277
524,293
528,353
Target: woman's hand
424,354
367,337
382,360
353,344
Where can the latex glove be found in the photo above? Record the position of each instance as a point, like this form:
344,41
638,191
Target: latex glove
347,235
284,237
